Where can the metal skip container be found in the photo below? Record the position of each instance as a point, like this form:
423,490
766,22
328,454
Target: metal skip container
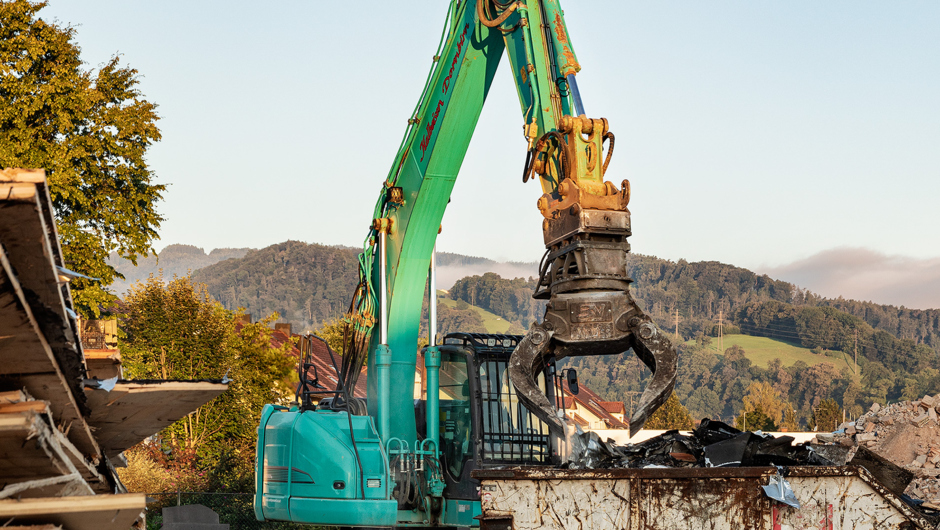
830,498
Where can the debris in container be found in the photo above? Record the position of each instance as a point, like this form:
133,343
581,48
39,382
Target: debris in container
712,444
906,433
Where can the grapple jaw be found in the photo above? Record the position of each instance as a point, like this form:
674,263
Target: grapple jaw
590,310
554,337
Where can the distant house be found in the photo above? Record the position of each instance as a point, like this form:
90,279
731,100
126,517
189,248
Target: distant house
589,411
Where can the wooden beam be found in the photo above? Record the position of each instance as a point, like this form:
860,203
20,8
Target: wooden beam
96,512
36,176
36,406
18,192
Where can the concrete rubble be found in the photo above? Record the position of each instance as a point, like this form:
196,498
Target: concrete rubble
907,434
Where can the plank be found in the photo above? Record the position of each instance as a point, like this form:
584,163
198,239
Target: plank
35,176
133,411
13,396
93,512
36,406
17,192
61,486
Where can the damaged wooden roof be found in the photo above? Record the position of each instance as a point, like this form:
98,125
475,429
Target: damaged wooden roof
53,470
39,347
134,410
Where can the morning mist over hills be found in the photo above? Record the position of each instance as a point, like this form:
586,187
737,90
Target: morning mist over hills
774,331
308,283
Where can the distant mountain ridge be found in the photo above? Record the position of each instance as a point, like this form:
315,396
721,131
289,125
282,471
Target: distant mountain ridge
178,260
284,278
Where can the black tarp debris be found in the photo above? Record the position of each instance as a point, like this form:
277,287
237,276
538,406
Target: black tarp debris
712,444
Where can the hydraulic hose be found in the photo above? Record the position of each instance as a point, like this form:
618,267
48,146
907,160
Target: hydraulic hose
610,150
498,20
562,155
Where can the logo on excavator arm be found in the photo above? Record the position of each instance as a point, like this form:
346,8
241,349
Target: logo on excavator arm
429,128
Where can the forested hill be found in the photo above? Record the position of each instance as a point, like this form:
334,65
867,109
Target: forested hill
697,295
306,284
309,284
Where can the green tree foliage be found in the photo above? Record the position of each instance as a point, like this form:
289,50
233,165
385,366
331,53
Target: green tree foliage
90,131
510,299
826,416
790,420
755,420
451,320
332,332
174,330
762,396
671,415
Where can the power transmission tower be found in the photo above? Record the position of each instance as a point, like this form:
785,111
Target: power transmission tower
677,322
720,330
632,395
856,352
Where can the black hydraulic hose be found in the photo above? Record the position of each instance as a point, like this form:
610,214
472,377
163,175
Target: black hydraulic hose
526,169
562,150
352,437
610,150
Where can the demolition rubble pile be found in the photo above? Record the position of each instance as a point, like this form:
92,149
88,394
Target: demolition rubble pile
894,444
712,444
905,433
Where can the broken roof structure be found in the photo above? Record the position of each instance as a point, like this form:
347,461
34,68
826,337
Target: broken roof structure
61,432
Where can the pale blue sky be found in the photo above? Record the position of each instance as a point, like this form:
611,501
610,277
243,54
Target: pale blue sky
755,133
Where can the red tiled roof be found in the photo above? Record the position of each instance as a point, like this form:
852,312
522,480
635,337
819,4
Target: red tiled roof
578,419
320,358
592,402
614,407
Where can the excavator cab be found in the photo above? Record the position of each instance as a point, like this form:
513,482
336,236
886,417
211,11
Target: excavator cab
482,421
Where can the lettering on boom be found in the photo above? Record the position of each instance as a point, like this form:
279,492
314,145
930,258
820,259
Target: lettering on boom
429,128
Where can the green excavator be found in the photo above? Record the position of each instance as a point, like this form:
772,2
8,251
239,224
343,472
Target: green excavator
404,458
